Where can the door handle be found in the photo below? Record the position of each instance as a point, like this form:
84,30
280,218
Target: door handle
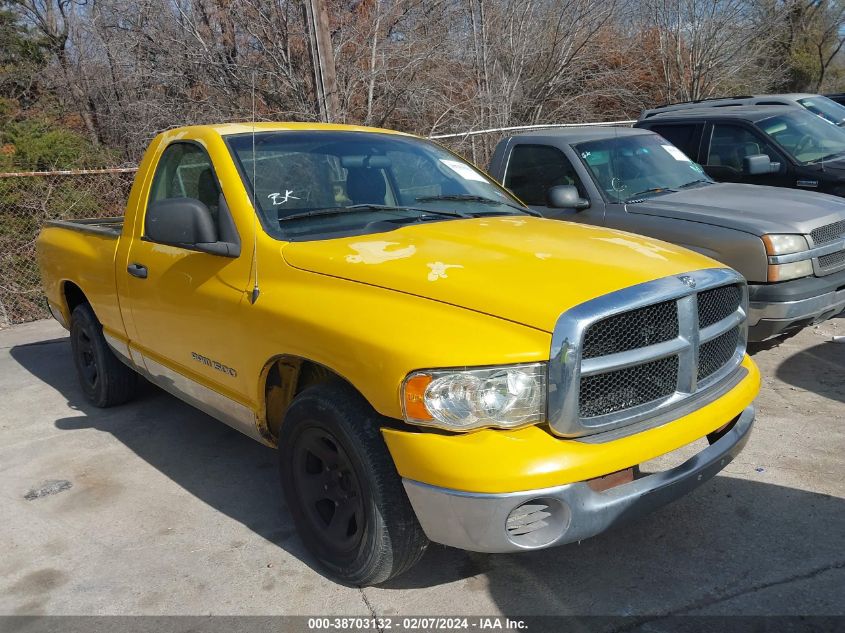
137,270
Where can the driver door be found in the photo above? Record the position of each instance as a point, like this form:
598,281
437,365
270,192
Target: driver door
729,145
534,169
186,304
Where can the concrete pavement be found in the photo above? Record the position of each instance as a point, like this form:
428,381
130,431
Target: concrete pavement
155,508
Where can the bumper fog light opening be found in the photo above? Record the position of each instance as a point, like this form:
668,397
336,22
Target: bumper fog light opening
537,522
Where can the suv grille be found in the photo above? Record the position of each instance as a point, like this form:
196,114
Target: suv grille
653,367
828,233
834,260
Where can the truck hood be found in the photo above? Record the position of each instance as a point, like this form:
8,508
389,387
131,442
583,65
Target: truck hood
751,208
523,269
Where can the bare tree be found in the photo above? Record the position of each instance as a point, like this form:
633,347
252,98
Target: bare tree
55,19
703,46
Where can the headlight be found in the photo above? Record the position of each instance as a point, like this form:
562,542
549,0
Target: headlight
785,244
461,400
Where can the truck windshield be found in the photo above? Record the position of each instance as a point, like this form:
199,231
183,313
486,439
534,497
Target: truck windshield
805,137
826,108
318,184
629,168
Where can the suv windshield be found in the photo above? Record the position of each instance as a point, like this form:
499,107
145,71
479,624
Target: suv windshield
635,167
805,137
320,184
826,108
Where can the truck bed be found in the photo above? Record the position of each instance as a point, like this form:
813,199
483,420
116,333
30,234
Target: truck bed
81,253
107,227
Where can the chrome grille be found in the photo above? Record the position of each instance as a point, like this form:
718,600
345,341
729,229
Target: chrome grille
717,304
615,391
715,353
828,233
640,352
630,330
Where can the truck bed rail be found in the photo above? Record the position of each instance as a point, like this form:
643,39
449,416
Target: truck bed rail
106,227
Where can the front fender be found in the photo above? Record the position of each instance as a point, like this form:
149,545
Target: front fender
374,337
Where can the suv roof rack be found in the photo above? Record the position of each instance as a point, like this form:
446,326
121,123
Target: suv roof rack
664,105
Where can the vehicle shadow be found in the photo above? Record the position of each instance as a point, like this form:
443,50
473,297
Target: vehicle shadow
227,470
730,538
716,550
819,369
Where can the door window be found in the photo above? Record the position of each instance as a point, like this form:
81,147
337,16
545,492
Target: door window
184,171
731,143
534,169
684,137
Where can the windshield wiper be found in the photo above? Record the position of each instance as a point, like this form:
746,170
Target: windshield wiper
357,208
652,190
700,181
825,158
466,197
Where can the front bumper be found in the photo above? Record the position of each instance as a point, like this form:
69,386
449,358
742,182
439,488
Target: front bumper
776,308
479,522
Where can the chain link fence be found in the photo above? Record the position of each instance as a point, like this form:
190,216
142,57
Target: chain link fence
27,200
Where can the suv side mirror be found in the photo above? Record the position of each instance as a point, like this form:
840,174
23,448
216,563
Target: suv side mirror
566,197
757,164
183,222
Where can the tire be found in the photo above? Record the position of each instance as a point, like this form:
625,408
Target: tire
105,381
342,489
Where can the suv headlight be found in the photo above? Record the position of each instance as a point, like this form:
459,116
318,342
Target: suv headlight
505,397
787,245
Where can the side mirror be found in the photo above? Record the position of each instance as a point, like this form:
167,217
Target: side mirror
182,222
566,197
757,164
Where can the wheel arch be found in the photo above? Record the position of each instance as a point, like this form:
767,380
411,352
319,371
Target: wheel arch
282,378
73,296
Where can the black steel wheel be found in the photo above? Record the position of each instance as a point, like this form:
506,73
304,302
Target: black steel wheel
105,381
329,490
86,361
344,494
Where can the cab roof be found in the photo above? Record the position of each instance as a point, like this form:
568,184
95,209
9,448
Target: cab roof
580,134
227,129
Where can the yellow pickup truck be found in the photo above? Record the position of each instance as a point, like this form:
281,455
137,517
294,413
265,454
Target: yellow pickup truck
431,360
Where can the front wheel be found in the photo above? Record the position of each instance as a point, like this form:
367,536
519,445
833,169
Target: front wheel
342,488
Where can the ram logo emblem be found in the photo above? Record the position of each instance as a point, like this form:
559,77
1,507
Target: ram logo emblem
687,281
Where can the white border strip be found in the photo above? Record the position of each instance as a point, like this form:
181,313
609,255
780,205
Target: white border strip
531,127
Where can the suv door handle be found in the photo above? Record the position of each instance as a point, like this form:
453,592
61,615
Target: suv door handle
137,270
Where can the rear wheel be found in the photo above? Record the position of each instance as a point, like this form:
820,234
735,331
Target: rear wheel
105,381
342,488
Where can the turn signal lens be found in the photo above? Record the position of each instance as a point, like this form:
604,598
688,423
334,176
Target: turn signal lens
785,272
414,393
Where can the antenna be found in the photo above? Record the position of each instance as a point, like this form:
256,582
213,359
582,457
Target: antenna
255,290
